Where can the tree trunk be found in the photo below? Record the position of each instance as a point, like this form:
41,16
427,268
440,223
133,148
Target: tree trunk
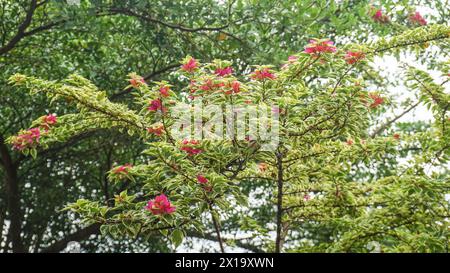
13,198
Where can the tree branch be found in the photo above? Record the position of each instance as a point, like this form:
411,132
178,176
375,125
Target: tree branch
22,28
389,123
166,24
79,235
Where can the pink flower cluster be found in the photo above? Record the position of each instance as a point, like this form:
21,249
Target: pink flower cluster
235,87
136,81
47,121
317,46
156,130
190,147
31,137
164,90
122,169
27,139
226,86
190,65
417,19
354,56
156,105
379,17
204,182
224,71
261,74
201,179
377,100
160,205
209,85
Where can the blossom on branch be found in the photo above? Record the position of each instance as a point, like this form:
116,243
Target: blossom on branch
317,46
261,74
26,139
160,205
417,18
189,65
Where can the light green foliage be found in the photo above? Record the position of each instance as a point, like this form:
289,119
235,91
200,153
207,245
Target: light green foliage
323,179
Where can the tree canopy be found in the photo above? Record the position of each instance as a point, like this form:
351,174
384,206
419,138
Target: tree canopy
342,178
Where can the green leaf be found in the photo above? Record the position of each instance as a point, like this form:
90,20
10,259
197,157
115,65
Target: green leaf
177,237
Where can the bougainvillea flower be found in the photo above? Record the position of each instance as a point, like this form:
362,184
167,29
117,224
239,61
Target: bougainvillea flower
417,19
352,57
235,87
156,105
50,119
26,139
208,85
122,169
349,141
190,65
136,81
47,121
377,100
306,197
317,46
164,90
156,130
224,71
190,147
160,205
261,74
379,17
201,179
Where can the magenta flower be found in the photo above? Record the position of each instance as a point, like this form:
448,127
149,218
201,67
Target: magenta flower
261,74
380,17
316,46
190,147
377,100
190,66
47,121
157,130
156,105
137,81
50,119
352,57
26,139
417,19
160,205
164,90
236,86
201,179
122,169
224,71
